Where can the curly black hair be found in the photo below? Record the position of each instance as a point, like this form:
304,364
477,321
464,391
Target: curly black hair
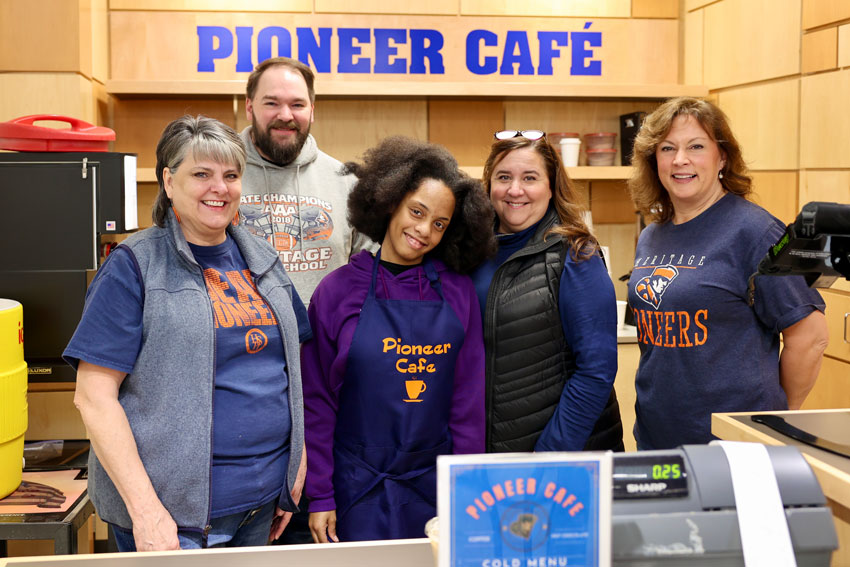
397,166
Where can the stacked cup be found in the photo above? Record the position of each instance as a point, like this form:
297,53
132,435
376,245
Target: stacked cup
569,143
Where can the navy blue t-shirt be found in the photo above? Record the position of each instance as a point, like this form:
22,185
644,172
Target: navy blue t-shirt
251,419
703,349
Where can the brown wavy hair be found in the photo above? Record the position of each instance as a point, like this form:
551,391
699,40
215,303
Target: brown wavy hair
398,166
572,228
648,194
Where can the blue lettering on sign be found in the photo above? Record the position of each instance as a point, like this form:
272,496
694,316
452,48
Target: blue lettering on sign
243,49
419,52
348,51
264,43
384,51
310,48
580,53
207,52
473,57
516,40
547,52
314,49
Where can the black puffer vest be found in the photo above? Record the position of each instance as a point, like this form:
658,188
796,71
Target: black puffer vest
528,358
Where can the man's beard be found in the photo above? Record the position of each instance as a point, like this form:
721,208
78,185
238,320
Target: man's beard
281,154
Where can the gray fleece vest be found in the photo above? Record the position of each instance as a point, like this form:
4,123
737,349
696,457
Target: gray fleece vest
168,395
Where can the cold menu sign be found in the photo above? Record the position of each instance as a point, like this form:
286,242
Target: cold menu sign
650,476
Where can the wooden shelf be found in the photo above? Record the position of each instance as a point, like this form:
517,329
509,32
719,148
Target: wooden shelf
337,88
146,175
583,173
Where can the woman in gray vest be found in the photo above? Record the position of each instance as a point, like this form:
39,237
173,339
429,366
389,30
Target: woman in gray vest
187,357
549,311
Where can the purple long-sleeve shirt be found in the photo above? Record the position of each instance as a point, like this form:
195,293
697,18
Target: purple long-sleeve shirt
334,312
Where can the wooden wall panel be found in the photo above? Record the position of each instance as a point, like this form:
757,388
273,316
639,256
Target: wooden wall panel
610,202
776,191
628,357
573,116
764,120
574,8
820,50
620,239
52,415
99,40
821,12
68,94
830,186
831,389
138,123
101,105
344,129
145,197
214,5
465,127
837,310
825,121
844,45
693,45
655,8
41,35
748,41
691,5
432,7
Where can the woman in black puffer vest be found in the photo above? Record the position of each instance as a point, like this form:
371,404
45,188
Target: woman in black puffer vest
549,310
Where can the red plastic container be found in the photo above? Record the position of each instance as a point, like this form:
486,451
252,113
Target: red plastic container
601,156
21,135
600,140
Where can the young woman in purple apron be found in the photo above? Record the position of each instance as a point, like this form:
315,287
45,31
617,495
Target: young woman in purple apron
395,373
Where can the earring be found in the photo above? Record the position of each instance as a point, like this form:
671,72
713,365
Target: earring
719,175
235,221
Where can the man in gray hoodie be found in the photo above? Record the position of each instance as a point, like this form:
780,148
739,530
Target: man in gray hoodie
293,194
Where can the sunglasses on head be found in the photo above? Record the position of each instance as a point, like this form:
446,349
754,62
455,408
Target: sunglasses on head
527,134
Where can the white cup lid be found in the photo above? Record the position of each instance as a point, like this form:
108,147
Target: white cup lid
8,304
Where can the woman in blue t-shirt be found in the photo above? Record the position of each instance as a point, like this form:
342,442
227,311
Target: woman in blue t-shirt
188,376
704,349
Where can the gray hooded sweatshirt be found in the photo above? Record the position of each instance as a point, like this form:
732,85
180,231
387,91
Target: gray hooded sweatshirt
301,209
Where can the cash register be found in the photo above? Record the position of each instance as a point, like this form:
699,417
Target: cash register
677,507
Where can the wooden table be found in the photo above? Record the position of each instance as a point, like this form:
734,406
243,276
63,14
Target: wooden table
832,471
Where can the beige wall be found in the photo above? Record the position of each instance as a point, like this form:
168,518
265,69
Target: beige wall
778,69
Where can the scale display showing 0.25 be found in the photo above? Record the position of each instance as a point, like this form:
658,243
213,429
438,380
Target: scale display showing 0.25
667,471
659,474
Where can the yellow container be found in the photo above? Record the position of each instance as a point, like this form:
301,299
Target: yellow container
13,395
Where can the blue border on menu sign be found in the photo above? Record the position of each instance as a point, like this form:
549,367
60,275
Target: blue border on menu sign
537,513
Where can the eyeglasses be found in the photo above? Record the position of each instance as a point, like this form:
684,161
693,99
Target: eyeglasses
527,134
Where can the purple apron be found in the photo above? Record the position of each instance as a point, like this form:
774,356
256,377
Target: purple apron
393,414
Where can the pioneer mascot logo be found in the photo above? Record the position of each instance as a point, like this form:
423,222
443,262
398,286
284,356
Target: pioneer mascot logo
652,287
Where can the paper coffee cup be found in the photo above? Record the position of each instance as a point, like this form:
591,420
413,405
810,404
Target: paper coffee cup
570,150
621,314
